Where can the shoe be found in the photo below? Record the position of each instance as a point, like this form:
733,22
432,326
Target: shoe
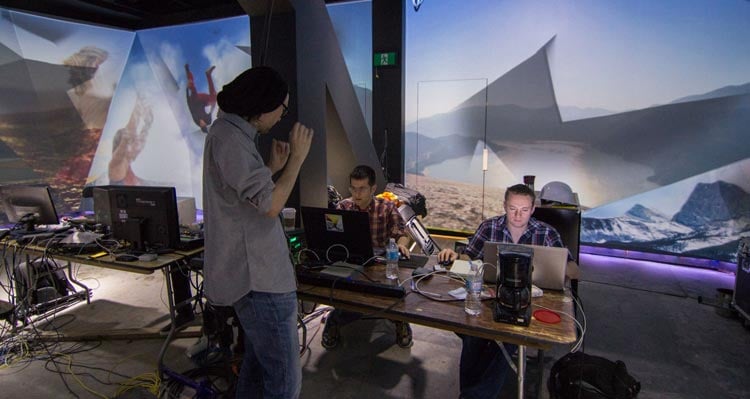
181,321
331,336
403,334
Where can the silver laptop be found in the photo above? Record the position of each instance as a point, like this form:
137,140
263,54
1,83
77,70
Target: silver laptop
549,263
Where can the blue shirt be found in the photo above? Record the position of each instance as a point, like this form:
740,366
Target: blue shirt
495,229
245,249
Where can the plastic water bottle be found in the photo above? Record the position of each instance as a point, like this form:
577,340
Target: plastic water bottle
473,301
391,257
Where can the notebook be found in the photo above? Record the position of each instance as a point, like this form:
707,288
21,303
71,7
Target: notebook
549,263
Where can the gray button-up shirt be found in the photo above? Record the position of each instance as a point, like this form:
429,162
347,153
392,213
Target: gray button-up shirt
245,249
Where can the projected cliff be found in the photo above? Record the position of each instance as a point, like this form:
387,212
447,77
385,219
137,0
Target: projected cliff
602,110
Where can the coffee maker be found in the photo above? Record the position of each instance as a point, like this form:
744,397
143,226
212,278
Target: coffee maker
513,288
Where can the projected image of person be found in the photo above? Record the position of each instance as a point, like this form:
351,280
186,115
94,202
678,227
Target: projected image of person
92,103
201,105
82,67
128,144
247,261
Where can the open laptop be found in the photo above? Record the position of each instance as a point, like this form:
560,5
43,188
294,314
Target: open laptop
549,263
338,235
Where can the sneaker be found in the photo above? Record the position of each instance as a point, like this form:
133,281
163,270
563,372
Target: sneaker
403,334
331,336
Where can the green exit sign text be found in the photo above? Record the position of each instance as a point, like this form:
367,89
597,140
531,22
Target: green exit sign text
384,59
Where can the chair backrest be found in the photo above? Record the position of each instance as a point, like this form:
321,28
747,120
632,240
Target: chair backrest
566,221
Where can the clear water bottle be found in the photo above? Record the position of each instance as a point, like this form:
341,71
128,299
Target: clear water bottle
473,301
391,257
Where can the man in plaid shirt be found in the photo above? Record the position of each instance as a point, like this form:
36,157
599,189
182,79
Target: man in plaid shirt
483,366
385,223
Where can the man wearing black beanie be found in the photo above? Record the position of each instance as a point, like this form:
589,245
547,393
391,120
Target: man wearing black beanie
247,262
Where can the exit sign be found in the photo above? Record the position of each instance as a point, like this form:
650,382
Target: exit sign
384,59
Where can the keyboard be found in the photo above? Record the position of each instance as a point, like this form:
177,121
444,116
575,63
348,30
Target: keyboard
414,262
365,287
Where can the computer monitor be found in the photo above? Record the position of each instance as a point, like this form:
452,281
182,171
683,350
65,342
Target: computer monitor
334,233
30,205
145,216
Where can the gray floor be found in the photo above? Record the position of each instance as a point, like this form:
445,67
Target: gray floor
648,316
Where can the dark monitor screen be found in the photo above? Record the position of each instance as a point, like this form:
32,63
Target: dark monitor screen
333,234
145,216
30,205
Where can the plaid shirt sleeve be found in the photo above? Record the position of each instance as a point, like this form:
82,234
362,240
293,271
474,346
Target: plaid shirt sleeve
476,243
544,234
396,225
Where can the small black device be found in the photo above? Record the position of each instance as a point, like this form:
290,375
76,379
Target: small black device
513,290
333,234
30,205
145,216
413,261
126,258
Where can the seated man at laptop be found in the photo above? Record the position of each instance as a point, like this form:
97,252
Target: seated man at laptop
483,366
385,223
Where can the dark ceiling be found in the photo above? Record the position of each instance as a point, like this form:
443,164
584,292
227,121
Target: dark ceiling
132,14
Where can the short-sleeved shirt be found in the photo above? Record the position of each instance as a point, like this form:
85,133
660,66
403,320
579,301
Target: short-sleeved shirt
495,229
245,249
385,221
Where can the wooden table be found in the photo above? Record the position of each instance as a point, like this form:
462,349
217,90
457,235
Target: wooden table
450,316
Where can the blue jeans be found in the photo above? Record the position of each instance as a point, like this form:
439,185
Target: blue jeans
483,368
271,365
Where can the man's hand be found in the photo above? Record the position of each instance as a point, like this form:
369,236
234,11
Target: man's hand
447,254
279,155
300,139
404,251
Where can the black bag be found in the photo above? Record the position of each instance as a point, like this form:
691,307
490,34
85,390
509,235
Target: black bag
581,376
412,197
40,281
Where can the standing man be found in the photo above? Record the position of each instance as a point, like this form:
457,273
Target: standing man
483,366
385,223
247,262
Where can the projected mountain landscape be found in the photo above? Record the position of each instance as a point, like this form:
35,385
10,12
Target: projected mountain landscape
708,225
604,158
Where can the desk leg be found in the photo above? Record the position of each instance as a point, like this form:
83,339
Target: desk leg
172,328
78,283
521,369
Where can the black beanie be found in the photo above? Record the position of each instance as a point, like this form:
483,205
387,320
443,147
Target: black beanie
253,92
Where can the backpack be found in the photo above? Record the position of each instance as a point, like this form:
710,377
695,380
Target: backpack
38,282
581,376
414,198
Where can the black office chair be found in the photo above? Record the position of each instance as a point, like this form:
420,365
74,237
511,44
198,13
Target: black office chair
567,222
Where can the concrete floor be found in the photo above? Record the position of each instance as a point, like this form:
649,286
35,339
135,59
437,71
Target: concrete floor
647,315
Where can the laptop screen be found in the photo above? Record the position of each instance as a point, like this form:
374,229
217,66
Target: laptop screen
549,263
338,235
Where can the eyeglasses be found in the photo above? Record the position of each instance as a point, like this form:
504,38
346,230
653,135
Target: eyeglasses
285,111
356,190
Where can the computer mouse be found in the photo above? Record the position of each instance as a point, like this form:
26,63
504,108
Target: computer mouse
446,262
